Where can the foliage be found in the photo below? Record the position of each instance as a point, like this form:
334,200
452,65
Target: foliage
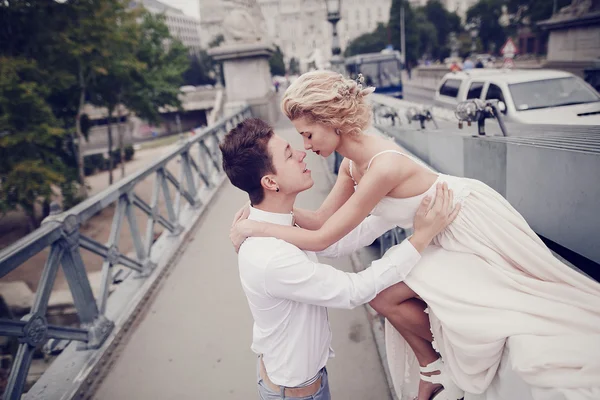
530,12
157,85
485,15
56,56
276,63
216,41
410,28
89,29
97,162
109,90
294,66
201,70
437,18
372,42
428,36
29,160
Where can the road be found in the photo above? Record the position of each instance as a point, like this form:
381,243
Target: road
418,94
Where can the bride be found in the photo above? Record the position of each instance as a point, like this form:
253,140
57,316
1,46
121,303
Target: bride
488,280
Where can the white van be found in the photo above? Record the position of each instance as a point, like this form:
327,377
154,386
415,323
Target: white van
536,96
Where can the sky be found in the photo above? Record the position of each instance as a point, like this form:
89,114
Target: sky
189,7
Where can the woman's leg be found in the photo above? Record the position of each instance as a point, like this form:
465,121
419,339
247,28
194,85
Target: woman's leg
407,315
386,303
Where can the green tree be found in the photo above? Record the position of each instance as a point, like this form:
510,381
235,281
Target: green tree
165,60
410,28
35,159
109,89
485,15
372,42
530,12
428,35
216,41
527,14
30,138
294,66
276,63
443,22
86,39
201,70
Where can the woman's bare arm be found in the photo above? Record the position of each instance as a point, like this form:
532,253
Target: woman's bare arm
385,174
339,194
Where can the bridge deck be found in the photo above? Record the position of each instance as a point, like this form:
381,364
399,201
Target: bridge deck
194,339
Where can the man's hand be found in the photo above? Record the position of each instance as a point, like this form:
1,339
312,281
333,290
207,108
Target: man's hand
431,219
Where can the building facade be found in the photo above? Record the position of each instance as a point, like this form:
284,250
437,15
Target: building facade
181,26
300,27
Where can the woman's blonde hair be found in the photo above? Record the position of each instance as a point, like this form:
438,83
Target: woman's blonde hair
328,98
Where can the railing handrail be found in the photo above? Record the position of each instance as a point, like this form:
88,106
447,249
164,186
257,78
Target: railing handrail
111,193
200,175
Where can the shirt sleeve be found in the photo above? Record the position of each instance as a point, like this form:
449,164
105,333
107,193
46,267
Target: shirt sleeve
290,274
363,235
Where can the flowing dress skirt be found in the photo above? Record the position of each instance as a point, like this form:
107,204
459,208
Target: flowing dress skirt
495,292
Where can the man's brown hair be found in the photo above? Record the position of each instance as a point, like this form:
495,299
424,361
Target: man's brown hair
246,157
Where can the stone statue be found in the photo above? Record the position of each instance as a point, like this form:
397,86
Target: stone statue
244,22
578,8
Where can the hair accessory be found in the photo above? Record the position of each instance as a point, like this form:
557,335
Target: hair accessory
360,80
343,89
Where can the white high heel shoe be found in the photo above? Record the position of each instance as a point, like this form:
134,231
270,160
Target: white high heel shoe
449,391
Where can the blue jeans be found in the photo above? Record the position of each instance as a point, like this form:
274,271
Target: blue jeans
266,393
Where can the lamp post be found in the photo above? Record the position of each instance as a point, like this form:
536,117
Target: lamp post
334,16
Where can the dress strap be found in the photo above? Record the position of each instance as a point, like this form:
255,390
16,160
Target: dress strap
350,171
383,152
416,160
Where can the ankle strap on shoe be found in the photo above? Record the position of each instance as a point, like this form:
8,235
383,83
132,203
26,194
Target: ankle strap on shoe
437,365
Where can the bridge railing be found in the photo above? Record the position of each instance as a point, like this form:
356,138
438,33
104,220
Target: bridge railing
199,176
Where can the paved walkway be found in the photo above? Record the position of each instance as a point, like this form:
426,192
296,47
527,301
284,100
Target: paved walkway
194,340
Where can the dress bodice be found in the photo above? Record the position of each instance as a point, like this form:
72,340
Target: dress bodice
402,210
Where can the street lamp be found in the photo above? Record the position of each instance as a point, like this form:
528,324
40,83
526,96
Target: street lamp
334,8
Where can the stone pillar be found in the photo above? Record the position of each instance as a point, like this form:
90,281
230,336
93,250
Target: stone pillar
574,42
248,78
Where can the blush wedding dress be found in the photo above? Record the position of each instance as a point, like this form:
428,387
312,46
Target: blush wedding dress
509,319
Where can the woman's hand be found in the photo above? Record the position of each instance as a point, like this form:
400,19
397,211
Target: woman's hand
241,214
239,232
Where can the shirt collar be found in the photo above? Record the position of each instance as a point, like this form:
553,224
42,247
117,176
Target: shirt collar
274,218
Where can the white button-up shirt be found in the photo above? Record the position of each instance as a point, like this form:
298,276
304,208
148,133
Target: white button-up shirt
288,291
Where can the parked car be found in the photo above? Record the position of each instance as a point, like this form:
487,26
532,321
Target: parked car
536,96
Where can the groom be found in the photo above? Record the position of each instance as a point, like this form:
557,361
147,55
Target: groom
288,290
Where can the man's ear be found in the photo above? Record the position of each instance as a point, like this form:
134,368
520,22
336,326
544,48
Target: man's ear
268,182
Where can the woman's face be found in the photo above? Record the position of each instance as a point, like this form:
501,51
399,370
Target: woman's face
321,139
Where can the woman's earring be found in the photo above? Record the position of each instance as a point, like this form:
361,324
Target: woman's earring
337,132
277,190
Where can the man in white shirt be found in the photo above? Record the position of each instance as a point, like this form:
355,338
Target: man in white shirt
288,290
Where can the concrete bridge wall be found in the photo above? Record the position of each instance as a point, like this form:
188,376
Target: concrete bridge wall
556,190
